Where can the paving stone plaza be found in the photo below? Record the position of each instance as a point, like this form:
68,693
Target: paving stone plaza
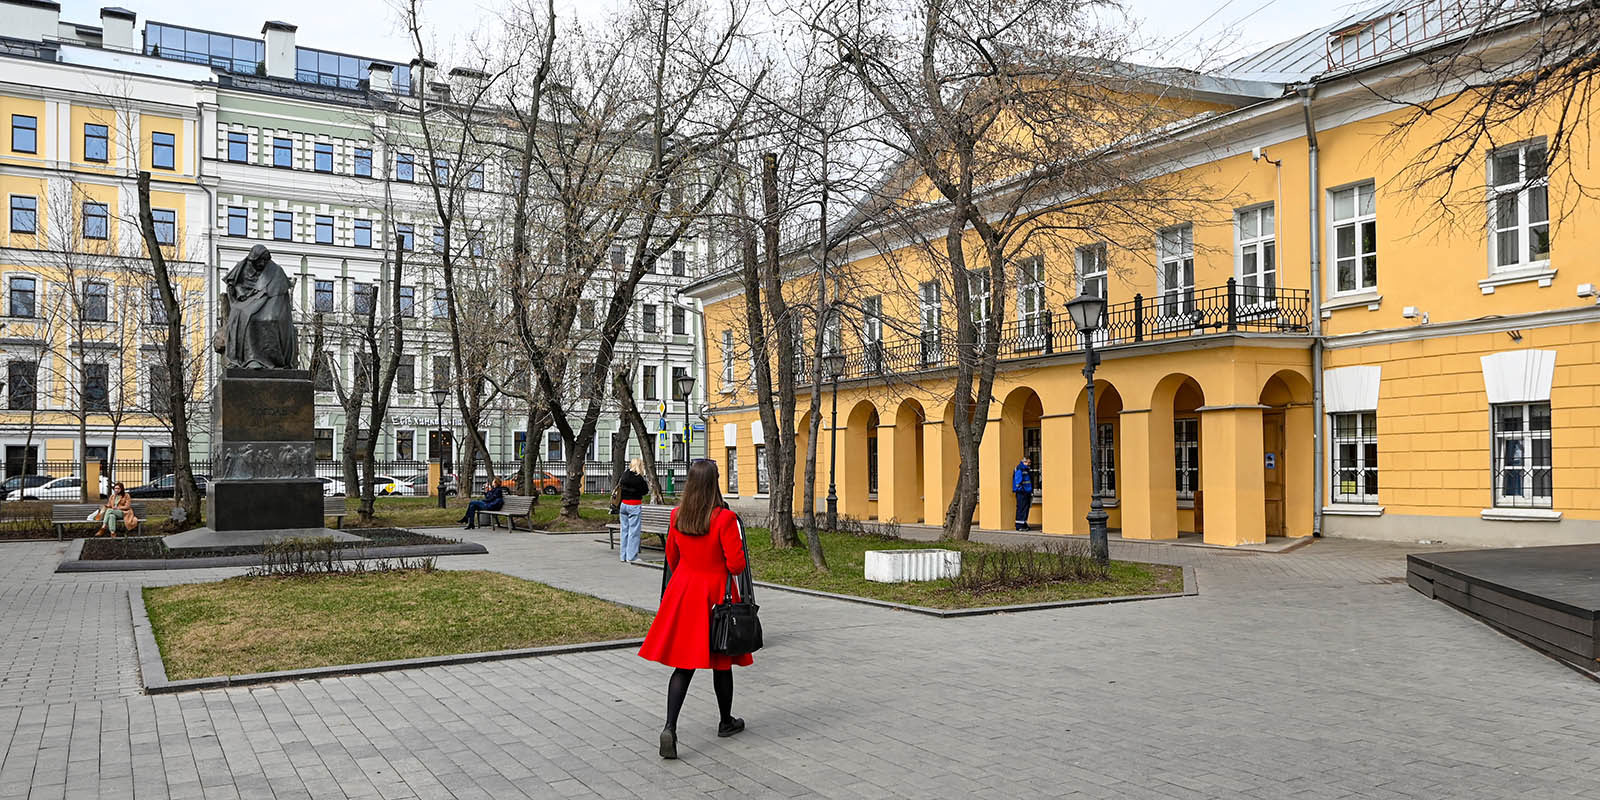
1309,674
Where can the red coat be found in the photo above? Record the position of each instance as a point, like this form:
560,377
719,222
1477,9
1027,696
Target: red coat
680,636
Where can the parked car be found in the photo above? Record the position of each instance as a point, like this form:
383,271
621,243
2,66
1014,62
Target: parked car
166,486
16,483
387,484
546,483
332,487
419,485
68,488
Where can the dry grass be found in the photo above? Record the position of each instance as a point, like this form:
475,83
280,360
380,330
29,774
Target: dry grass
244,625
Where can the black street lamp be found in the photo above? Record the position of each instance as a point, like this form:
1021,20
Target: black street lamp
685,385
1088,312
833,362
439,396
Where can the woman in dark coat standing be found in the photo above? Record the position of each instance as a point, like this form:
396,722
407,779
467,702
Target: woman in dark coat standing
705,547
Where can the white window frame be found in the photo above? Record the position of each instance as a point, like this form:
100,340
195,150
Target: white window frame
762,481
1521,191
1186,456
1175,248
1364,431
1093,270
929,312
730,457
1255,254
1525,438
1030,302
1108,462
727,359
1363,213
978,294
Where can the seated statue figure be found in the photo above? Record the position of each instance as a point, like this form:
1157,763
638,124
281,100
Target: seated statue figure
257,315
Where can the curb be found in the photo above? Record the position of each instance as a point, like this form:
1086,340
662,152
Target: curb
72,563
1191,588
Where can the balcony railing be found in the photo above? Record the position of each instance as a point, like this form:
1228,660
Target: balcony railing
1233,308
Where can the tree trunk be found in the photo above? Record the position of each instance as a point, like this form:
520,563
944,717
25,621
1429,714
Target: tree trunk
187,496
630,413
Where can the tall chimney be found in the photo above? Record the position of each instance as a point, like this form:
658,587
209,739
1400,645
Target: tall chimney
30,20
380,78
116,29
465,83
280,49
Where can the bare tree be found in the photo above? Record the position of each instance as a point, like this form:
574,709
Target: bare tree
176,362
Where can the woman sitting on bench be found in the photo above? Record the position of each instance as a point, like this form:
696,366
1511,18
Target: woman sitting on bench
118,508
494,496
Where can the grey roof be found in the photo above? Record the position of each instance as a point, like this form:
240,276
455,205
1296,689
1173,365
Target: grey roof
1306,55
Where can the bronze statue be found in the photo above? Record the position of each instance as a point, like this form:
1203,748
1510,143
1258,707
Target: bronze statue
257,329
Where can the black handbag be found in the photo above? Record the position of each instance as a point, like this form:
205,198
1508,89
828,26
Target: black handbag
736,626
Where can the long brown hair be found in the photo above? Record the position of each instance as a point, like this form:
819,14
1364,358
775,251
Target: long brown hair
702,496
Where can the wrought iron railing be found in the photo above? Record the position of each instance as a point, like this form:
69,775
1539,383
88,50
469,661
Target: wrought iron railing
1232,308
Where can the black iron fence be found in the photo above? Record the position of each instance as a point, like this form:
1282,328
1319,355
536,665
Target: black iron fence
1233,308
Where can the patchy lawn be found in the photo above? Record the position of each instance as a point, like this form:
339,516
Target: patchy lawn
847,564
244,625
424,512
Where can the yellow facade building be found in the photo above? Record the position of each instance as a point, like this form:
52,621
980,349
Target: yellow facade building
1312,351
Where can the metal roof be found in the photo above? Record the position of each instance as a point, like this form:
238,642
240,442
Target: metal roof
1305,56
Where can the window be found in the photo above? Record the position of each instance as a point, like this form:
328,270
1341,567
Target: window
441,304
24,214
618,258
1522,469
1355,457
1105,441
408,301
323,300
1258,255
232,53
761,469
978,295
324,229
1519,212
1186,455
678,451
163,150
96,143
324,444
680,321
928,302
649,312
282,152
1030,298
159,394
24,291
727,357
677,372
730,462
438,238
475,243
363,162
363,233
366,298
1092,270
475,178
405,445
552,448
95,297
96,221
408,239
647,384
406,374
322,381
166,225
96,387
586,315
22,379
872,461
872,331
441,170
238,146
157,314
1355,239
441,372
238,221
24,134
833,332
680,263
405,168
1176,249
322,157
1032,448
283,225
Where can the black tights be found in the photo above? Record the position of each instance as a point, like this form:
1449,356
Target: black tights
678,688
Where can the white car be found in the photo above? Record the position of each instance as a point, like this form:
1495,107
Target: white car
385,484
68,488
332,487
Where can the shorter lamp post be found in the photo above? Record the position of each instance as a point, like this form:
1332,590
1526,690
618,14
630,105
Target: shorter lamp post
1088,313
439,396
685,386
833,363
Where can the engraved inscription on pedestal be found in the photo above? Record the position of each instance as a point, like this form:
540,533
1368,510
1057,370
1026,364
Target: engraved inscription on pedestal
252,460
265,409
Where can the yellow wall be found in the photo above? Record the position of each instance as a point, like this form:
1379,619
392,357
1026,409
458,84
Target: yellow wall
83,115
28,107
149,124
32,187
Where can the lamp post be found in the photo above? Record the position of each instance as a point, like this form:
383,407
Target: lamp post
439,396
685,385
833,362
1088,312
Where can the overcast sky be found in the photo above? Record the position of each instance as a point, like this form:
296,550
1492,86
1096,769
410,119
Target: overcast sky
371,27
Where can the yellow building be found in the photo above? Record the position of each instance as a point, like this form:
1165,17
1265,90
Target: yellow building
1311,353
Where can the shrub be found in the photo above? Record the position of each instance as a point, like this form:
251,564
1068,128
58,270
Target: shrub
1001,568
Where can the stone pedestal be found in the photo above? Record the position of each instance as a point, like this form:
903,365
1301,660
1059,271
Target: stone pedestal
263,483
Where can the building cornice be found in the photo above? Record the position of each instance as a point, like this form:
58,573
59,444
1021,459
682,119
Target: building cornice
1495,324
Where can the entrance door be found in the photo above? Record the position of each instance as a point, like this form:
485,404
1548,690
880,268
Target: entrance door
1272,437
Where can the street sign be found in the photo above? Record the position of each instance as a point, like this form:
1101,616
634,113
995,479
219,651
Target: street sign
661,408
699,427
661,425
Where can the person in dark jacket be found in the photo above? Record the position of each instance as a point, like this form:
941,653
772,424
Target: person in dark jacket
631,490
1022,486
494,496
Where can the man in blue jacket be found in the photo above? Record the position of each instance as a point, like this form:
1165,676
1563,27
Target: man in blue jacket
1022,485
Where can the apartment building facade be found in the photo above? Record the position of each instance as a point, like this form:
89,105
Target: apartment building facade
1310,354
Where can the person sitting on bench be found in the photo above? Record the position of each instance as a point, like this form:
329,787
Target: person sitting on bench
494,496
118,509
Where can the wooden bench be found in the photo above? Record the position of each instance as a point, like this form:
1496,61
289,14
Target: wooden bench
64,514
653,521
337,508
514,506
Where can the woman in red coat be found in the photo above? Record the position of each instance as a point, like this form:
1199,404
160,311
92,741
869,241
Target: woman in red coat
705,547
